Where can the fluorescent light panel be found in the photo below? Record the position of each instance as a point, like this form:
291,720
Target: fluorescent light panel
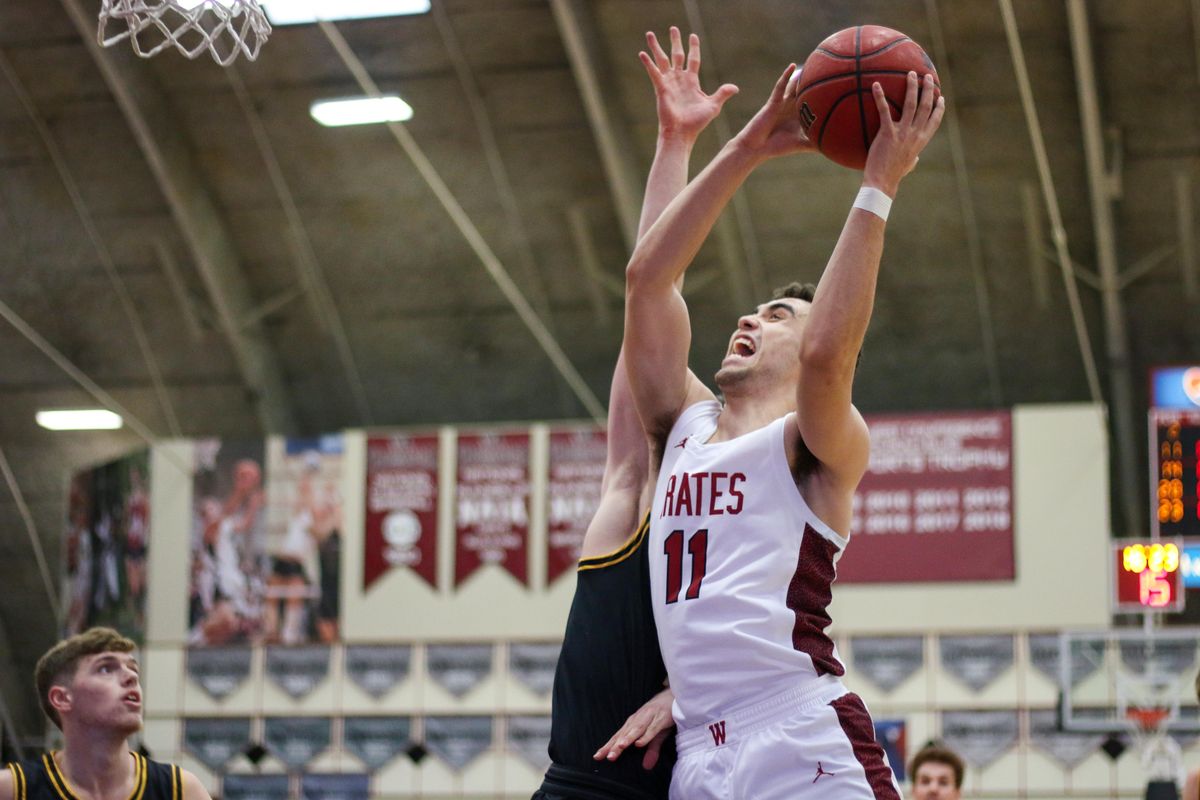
79,419
298,12
360,111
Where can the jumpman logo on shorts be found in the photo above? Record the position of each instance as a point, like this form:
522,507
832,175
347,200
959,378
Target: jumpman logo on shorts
821,771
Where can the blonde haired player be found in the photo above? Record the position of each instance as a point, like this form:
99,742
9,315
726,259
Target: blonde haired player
753,502
89,686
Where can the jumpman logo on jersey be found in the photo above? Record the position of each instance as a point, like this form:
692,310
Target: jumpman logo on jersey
683,442
821,771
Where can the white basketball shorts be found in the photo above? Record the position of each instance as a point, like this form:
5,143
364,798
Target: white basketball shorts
814,743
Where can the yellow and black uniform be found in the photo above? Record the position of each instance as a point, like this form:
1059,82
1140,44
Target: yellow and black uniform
608,668
41,779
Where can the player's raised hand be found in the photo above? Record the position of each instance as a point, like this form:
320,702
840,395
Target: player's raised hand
647,727
899,143
775,129
683,107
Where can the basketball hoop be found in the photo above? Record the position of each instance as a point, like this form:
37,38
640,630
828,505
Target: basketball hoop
222,28
1147,720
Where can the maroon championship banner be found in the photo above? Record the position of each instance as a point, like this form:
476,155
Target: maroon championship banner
491,518
402,497
936,503
573,492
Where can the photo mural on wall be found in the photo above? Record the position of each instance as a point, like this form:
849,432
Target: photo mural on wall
105,548
229,566
304,540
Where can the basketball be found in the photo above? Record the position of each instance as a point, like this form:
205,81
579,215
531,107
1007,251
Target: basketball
834,98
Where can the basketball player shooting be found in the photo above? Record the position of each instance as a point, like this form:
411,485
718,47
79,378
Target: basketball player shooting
610,673
753,499
89,686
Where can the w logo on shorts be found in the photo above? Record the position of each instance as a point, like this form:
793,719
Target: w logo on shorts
717,729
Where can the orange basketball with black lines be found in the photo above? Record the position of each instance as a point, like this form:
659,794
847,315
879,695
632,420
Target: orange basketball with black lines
837,110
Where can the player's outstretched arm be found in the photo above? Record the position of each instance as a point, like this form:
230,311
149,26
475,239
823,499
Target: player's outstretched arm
684,111
8,788
657,329
193,789
647,727
841,310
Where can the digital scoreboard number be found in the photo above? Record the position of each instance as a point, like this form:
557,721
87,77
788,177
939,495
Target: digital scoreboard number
1148,576
1174,478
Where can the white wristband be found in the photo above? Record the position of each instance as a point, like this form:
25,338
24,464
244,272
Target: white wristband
871,199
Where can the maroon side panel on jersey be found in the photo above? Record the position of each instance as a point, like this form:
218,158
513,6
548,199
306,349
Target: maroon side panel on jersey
492,505
401,506
936,503
573,493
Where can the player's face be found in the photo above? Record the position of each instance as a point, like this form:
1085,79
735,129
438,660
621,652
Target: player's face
107,693
766,343
935,781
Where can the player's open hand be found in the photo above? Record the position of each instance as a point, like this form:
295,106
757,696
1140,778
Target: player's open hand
775,129
899,143
683,107
647,727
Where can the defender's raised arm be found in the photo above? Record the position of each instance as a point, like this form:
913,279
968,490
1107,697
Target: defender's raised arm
657,328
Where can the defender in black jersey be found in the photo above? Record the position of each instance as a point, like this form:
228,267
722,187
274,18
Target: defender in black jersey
43,779
610,674
89,687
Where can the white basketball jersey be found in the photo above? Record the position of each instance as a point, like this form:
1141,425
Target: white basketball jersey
740,570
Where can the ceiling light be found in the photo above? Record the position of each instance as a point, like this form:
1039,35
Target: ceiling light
360,111
79,419
298,12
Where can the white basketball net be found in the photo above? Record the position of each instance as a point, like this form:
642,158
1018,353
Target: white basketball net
223,28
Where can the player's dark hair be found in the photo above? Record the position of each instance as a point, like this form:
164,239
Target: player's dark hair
934,753
60,662
800,291
805,292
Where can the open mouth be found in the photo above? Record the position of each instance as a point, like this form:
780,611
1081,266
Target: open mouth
133,698
743,346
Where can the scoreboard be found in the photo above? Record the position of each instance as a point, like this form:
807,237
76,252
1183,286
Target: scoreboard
1148,576
1174,478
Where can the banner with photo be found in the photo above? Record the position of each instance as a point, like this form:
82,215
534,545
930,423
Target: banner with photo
304,540
577,460
105,547
229,566
936,503
492,505
892,735
401,507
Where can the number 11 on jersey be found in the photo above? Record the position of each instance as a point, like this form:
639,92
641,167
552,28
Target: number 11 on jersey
697,548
